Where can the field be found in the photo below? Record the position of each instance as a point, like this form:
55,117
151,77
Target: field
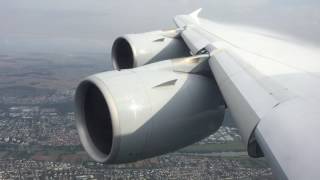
44,153
48,70
235,146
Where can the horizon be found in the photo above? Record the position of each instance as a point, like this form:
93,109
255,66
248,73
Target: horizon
91,26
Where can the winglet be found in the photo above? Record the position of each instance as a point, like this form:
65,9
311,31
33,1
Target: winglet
195,14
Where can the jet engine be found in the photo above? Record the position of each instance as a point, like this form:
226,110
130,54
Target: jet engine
130,115
134,50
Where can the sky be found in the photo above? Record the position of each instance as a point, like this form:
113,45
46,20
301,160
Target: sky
92,25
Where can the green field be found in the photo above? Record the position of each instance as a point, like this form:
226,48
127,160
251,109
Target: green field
29,152
235,146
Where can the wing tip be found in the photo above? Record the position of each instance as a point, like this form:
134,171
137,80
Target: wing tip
195,14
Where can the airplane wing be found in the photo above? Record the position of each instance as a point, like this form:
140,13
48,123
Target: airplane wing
171,88
271,87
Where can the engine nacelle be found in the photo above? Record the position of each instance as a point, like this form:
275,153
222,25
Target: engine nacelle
134,50
129,115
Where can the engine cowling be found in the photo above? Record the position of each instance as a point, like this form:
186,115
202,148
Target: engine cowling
129,115
134,50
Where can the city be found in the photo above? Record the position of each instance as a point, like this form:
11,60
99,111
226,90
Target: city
43,129
39,140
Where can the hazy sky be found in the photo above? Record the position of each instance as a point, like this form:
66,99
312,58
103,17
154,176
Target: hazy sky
92,25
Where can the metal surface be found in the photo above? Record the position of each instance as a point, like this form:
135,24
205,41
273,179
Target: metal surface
269,82
134,50
271,85
151,110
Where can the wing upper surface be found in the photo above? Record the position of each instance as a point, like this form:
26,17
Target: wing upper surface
271,86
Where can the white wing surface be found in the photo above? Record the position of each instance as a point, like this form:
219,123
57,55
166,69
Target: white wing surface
271,85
